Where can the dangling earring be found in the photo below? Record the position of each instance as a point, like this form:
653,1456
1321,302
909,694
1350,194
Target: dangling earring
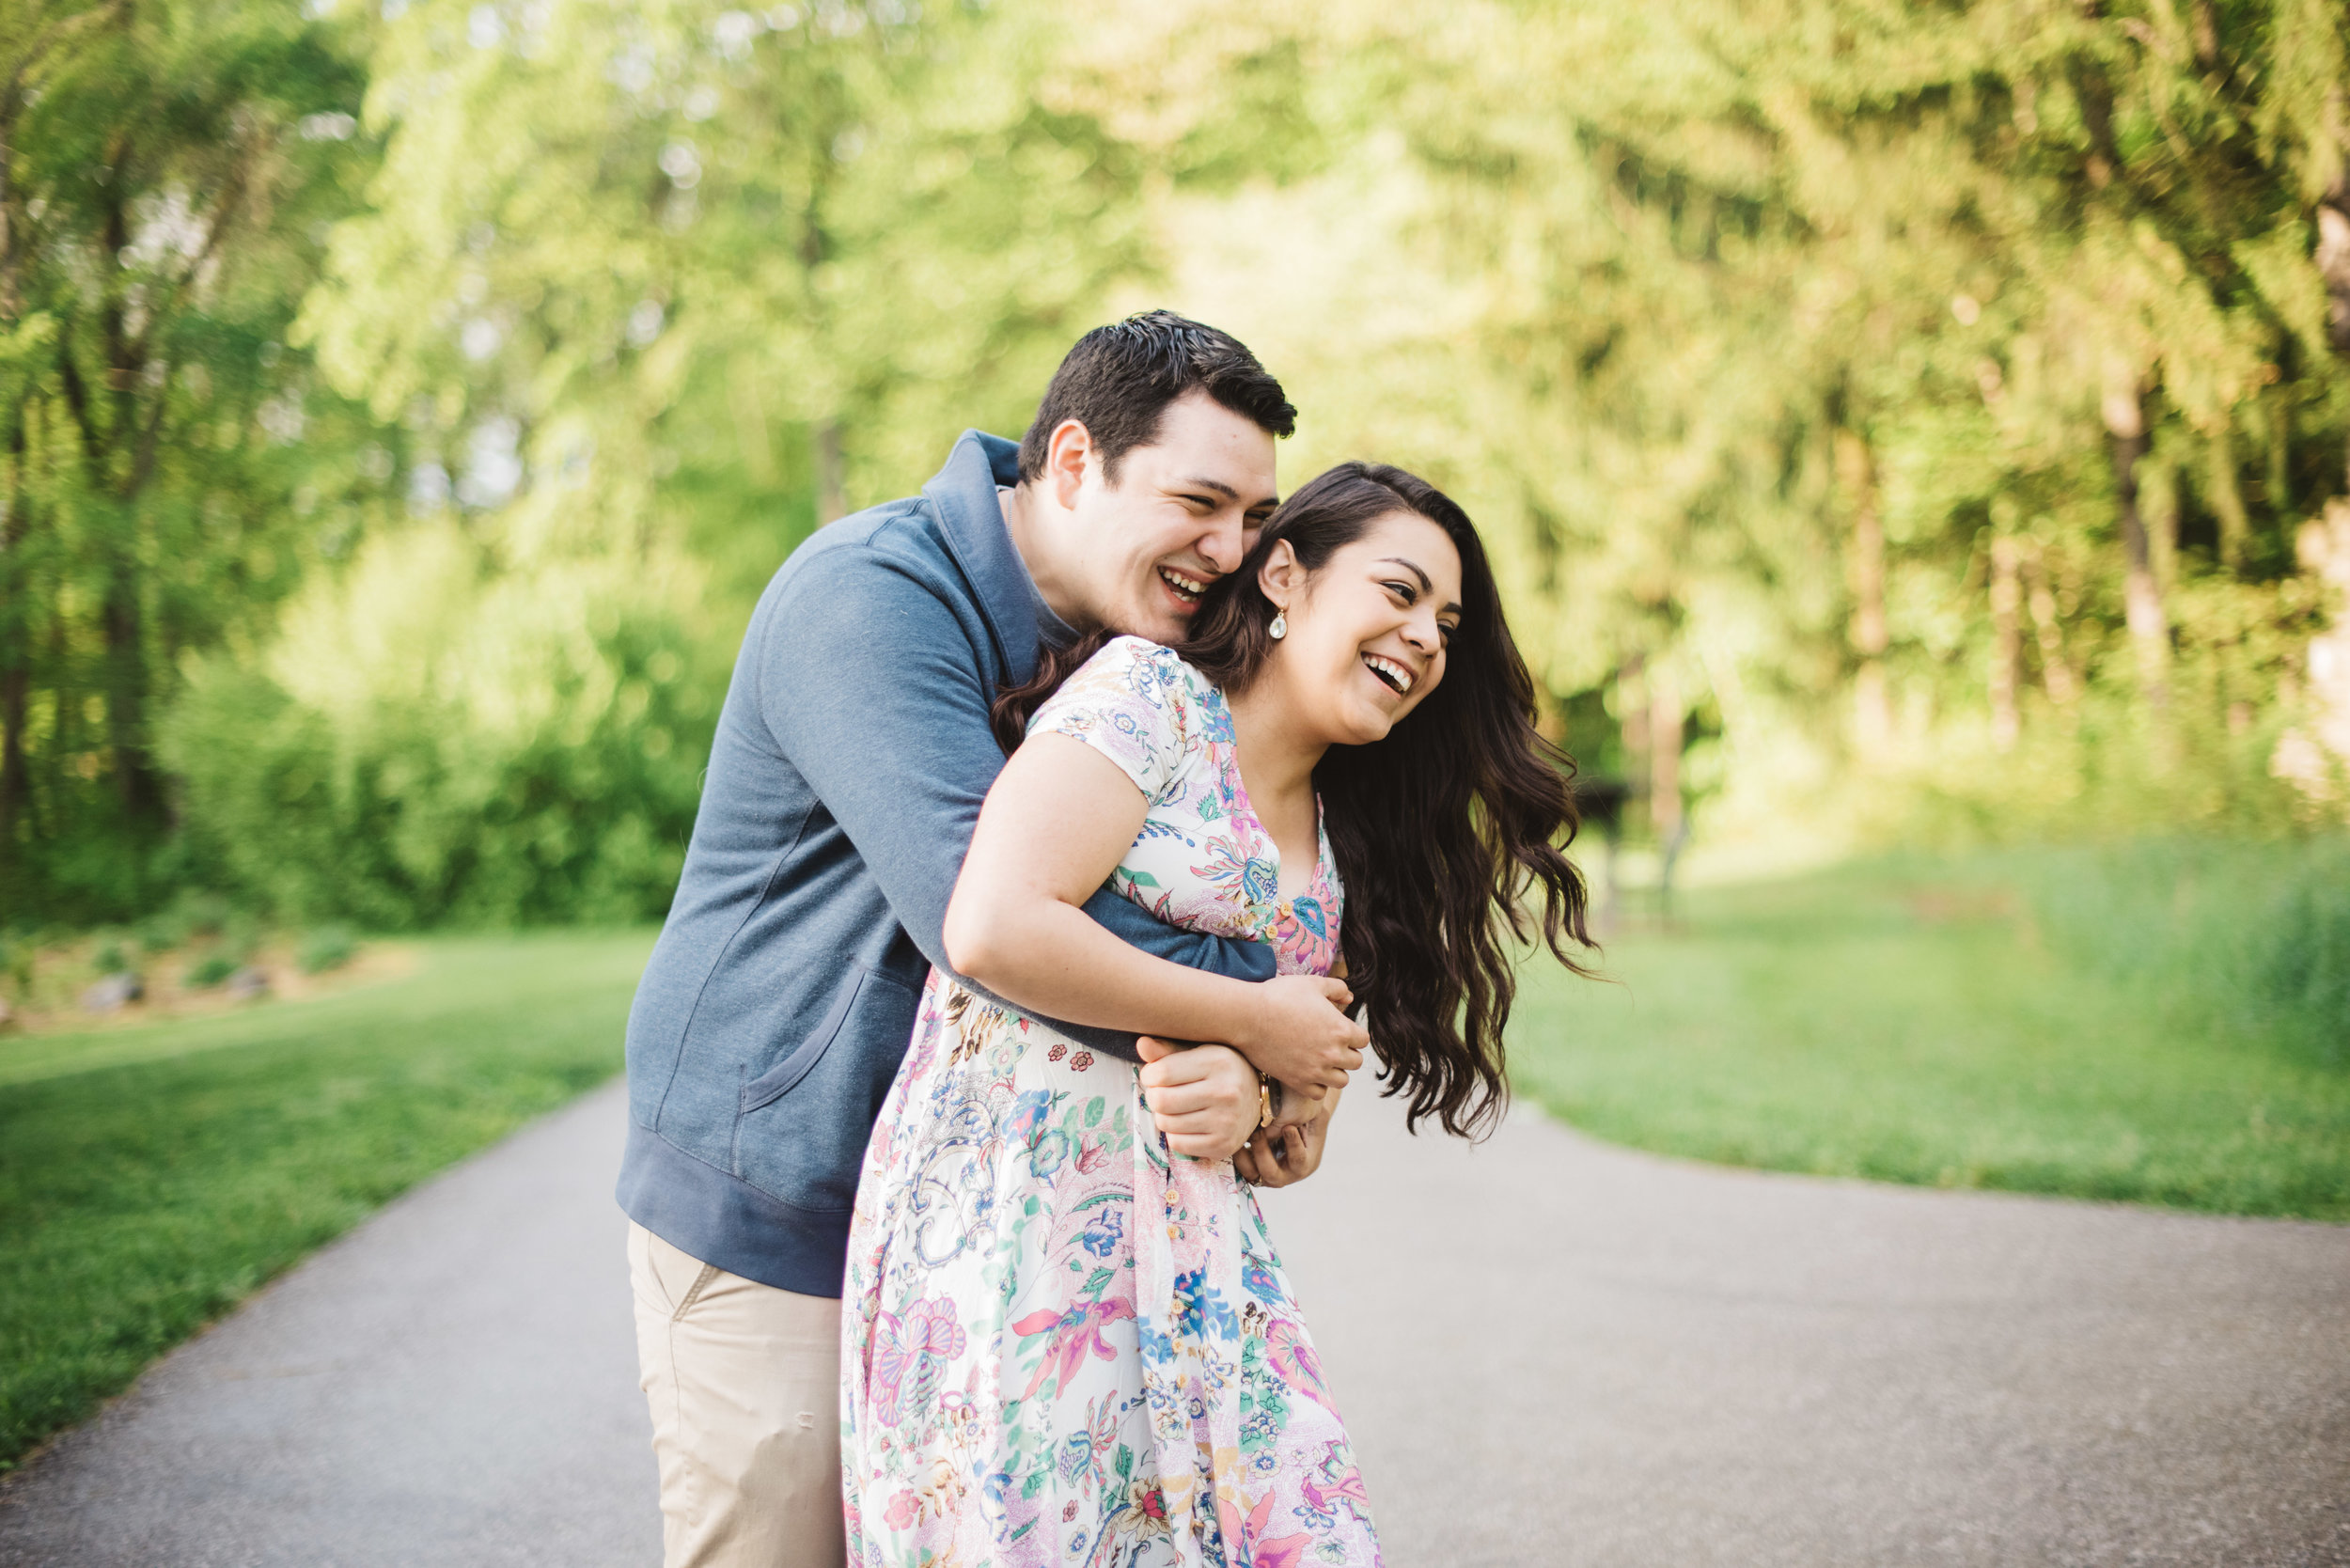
1280,627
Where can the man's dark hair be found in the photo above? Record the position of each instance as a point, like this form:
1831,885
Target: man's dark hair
1119,380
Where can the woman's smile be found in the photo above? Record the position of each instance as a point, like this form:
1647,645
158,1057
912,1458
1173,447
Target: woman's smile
1397,677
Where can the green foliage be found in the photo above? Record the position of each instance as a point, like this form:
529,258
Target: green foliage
327,947
168,469
1908,1022
697,279
138,1202
1806,383
1916,427
209,972
431,743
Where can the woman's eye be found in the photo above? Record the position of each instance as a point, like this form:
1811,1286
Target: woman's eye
1401,590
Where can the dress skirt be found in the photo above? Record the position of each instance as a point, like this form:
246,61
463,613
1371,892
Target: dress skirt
1064,1344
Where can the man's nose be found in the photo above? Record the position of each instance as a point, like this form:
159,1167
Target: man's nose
1223,546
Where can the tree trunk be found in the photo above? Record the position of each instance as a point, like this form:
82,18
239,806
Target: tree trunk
135,782
2323,544
2056,670
2227,502
2150,632
1872,710
16,651
2324,551
2006,640
1666,720
2333,262
1632,704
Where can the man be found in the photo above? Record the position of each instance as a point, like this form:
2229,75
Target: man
851,758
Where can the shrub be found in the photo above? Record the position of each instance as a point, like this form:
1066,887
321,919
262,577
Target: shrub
210,972
160,934
327,947
431,743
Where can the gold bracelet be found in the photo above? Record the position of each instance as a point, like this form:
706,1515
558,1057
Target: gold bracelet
1264,1102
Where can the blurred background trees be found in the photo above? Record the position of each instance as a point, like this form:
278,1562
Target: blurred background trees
1893,420
167,176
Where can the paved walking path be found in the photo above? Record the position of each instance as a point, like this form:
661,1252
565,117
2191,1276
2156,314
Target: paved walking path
1549,1351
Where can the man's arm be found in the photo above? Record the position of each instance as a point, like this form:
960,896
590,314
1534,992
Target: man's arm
869,682
1062,817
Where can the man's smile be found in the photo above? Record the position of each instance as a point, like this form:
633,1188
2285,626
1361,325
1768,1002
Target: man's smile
1185,587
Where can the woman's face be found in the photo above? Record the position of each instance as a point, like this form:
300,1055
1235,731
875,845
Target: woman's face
1367,632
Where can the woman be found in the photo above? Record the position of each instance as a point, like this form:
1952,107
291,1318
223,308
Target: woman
1069,1340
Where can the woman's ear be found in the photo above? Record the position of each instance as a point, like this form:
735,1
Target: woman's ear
1283,576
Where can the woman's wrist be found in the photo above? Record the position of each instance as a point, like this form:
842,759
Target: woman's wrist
1234,1015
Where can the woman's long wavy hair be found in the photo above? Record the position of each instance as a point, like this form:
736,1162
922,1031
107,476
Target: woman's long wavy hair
1444,833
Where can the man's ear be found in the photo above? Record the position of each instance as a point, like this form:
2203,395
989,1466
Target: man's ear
1282,576
1066,455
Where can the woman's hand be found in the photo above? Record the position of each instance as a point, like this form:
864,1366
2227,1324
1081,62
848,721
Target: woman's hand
1203,1097
1287,1151
1302,1035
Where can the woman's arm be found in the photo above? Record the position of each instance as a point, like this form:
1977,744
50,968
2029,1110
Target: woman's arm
1054,826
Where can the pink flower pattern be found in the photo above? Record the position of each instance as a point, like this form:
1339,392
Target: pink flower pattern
1063,1344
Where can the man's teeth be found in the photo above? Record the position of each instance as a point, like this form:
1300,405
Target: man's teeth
1389,670
1190,587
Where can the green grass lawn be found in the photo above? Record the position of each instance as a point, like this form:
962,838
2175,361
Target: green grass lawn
1865,1023
151,1178
1912,1027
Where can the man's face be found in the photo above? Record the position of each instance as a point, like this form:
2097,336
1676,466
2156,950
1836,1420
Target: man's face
1184,510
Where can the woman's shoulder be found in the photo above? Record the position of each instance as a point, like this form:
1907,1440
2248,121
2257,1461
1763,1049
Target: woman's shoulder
1135,656
1149,670
1137,703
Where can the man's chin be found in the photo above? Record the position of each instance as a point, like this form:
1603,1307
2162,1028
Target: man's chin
1161,626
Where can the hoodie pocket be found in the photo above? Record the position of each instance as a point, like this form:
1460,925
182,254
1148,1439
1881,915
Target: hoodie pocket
785,1075
804,1122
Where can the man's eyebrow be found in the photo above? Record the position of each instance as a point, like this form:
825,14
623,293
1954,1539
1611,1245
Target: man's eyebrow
1425,585
1217,485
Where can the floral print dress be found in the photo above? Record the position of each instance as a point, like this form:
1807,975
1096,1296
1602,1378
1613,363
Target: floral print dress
1064,1344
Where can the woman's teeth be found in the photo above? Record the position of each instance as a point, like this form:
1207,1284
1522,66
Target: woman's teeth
1187,588
1390,672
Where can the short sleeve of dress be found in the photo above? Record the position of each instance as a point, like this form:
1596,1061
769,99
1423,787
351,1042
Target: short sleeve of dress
1131,703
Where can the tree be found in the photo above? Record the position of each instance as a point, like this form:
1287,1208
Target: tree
652,290
2044,285
161,165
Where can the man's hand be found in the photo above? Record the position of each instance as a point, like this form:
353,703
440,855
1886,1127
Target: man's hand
1202,1097
1303,1035
1287,1151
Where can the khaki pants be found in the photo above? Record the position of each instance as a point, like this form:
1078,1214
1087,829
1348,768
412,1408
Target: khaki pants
744,1383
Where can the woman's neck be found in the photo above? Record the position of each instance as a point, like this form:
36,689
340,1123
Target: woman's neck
1276,753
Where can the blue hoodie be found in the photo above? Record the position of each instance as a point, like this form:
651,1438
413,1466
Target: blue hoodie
844,781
